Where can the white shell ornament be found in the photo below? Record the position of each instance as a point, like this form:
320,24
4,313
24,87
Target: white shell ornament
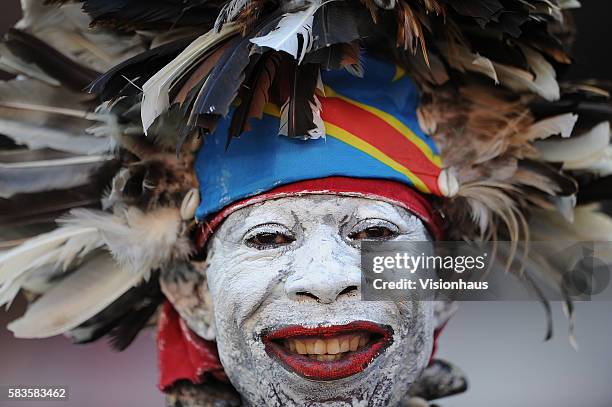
448,183
190,204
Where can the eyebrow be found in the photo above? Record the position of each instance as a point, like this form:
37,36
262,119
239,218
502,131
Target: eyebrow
367,211
258,214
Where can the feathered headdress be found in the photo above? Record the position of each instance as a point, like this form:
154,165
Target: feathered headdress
112,99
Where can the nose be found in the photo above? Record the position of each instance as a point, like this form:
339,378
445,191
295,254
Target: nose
324,271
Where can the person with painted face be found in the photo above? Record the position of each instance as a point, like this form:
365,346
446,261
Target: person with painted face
255,146
281,228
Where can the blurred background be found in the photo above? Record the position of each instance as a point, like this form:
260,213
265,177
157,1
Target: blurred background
499,345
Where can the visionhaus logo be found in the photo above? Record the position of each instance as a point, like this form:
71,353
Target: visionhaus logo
486,271
416,266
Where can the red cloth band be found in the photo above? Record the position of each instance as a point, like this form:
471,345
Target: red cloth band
182,354
385,190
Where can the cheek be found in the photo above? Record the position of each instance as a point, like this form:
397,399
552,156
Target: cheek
241,279
416,326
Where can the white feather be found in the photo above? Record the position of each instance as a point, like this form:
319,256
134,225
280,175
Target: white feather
40,115
558,125
139,242
75,299
542,79
60,248
317,132
36,137
46,175
462,59
577,152
588,225
602,166
8,294
293,26
569,4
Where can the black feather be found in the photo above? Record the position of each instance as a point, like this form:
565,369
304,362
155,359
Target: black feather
128,327
340,22
264,67
153,14
125,78
125,317
482,11
222,85
302,91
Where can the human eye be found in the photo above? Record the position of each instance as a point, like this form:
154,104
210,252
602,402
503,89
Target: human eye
374,229
268,236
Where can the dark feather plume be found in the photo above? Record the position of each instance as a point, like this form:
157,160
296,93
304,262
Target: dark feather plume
221,87
298,107
125,78
155,14
254,93
124,318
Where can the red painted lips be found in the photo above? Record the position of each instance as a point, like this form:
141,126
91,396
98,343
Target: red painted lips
330,352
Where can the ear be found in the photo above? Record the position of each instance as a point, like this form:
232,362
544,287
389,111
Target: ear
185,286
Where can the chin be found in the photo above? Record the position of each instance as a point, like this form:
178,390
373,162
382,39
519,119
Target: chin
331,364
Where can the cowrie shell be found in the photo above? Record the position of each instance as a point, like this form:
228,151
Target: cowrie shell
448,183
190,204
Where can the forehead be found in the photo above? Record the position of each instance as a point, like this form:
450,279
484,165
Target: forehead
335,208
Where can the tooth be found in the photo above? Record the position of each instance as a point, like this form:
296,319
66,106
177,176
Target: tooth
354,343
345,345
363,340
320,358
337,357
333,346
291,345
319,347
300,347
310,346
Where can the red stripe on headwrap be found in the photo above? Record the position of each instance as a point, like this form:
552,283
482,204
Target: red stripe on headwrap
380,134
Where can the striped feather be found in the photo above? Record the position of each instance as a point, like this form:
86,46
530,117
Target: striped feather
87,291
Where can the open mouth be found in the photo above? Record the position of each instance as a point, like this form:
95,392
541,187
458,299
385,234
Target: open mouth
328,352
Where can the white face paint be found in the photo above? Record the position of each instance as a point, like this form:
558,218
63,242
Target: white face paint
284,278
